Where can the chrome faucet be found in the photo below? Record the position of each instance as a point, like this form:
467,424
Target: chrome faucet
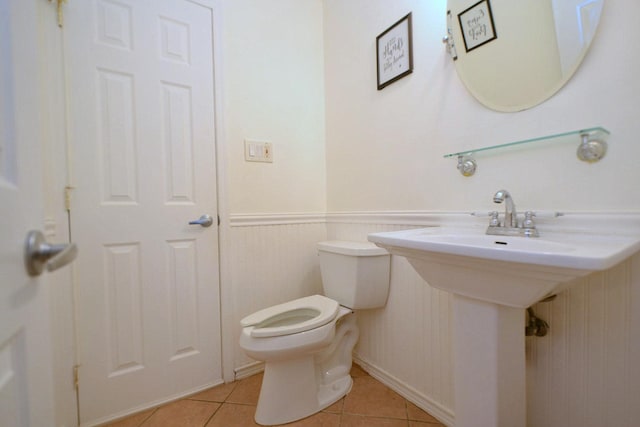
510,226
510,214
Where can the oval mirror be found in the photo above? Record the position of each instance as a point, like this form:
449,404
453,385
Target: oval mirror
513,55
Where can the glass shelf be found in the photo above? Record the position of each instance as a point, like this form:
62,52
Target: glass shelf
593,147
595,132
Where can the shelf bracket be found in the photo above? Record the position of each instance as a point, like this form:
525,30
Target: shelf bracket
592,148
466,164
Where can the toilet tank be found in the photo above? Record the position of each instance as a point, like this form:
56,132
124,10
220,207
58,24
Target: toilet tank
356,274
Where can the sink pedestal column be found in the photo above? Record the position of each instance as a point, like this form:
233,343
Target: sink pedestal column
489,364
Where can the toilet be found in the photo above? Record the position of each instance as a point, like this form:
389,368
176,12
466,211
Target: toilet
306,344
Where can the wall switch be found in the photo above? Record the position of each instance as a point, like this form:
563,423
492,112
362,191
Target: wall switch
258,151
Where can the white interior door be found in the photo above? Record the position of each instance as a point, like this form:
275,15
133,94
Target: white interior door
141,92
26,393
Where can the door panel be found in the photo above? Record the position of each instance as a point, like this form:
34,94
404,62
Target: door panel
142,133
26,390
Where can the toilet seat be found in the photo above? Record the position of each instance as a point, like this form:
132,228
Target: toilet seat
291,317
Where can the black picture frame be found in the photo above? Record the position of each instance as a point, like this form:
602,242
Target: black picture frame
477,25
394,52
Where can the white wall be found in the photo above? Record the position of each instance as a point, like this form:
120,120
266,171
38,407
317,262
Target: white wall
394,139
274,91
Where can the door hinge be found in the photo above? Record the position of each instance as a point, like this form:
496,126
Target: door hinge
67,197
76,376
59,12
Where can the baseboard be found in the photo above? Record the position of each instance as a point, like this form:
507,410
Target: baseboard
248,370
443,414
149,405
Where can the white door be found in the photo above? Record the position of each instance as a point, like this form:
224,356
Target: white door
140,83
26,391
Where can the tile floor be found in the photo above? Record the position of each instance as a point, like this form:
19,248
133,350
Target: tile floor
369,404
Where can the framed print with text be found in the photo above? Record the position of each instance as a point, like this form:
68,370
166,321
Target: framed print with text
476,24
394,52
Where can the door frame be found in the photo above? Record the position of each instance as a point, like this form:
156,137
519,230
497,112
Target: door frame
53,134
224,242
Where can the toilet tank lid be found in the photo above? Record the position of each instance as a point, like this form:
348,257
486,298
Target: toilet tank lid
351,248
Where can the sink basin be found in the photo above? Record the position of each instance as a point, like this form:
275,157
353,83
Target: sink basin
493,279
591,252
512,271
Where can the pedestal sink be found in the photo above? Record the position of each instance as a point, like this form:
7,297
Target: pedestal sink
493,280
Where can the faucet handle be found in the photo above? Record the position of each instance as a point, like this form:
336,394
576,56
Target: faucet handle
528,220
528,226
495,221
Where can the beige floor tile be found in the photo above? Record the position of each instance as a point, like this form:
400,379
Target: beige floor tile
232,415
349,420
133,421
425,424
357,371
246,391
183,413
336,407
321,419
371,398
369,404
417,414
215,394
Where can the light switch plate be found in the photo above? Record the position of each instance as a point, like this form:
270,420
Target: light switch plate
258,151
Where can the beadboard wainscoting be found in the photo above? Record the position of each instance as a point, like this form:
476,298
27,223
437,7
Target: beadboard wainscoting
582,374
274,260
406,344
585,371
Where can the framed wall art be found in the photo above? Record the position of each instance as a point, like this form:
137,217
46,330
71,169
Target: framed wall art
476,24
394,52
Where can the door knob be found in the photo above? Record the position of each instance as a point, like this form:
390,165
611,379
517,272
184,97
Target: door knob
39,254
204,221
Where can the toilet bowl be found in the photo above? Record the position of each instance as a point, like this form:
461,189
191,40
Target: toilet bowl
290,388
287,330
307,343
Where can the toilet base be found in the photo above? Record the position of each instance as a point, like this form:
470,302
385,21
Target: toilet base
290,392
